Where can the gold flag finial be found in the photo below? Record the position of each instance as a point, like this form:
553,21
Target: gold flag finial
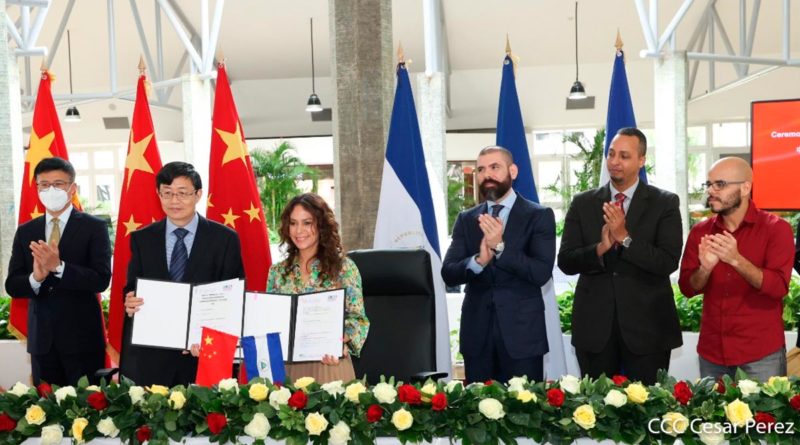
43,67
618,43
508,45
401,56
142,67
220,58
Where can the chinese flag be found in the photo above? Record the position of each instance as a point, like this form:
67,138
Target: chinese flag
47,141
233,197
138,206
216,357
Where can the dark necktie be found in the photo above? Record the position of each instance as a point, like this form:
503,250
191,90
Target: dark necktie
496,210
620,199
180,256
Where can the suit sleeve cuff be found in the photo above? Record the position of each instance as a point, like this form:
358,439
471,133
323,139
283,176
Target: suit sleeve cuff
474,266
35,285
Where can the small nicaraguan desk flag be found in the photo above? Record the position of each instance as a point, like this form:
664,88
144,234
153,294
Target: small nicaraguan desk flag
263,357
216,357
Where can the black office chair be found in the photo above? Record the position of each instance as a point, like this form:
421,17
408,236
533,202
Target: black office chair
400,303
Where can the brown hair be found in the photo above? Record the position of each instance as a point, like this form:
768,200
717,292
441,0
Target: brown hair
330,249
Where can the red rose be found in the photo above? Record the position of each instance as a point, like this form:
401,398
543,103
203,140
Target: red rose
763,418
439,401
97,400
409,394
374,413
216,422
721,386
555,397
298,400
619,379
143,433
795,402
488,382
7,423
44,389
682,393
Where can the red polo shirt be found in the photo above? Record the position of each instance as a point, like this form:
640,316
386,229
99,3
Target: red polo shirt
740,323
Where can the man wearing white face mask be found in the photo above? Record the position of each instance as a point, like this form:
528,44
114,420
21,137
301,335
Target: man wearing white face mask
60,261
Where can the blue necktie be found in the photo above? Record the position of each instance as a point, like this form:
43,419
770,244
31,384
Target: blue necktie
496,210
180,256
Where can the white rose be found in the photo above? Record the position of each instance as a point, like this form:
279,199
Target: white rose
62,393
93,388
340,434
615,398
333,388
570,384
384,392
279,397
19,389
258,428
712,433
517,383
316,423
452,385
748,387
353,390
228,384
107,427
52,434
137,394
491,408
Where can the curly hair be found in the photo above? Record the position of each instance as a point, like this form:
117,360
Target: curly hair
330,249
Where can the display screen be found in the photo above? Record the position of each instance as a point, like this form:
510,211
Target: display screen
775,150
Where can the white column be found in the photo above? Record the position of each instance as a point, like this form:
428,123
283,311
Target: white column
431,101
197,127
670,124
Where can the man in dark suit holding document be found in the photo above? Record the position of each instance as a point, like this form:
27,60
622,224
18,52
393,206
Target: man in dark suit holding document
183,247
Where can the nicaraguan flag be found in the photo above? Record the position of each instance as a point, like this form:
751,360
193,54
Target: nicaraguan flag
511,135
620,112
263,357
406,217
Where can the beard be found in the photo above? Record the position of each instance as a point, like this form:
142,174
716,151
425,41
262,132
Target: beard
727,206
498,191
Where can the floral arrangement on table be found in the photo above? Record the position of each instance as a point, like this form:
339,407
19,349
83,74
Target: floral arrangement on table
703,412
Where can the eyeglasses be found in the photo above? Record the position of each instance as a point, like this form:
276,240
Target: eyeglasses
182,196
719,185
62,185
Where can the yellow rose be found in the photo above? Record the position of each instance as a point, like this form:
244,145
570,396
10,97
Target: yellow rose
158,389
77,428
402,419
428,391
636,393
177,399
584,417
777,385
353,390
526,396
674,423
303,382
738,412
316,423
258,391
35,415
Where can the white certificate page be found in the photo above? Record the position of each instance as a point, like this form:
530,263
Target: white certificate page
319,326
268,313
163,318
216,306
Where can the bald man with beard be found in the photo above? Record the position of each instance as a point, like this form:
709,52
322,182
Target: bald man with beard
741,261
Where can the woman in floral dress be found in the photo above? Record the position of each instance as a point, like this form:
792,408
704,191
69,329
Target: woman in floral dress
315,261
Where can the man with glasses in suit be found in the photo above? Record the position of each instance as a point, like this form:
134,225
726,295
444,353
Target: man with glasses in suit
741,261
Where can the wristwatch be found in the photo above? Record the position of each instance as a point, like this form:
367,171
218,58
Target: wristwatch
627,242
498,249
59,269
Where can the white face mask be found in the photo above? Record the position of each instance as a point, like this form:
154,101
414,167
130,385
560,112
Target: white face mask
54,199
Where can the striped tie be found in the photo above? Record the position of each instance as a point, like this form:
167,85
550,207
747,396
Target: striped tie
180,257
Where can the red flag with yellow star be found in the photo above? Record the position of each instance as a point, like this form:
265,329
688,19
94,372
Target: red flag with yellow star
216,357
46,141
233,197
138,205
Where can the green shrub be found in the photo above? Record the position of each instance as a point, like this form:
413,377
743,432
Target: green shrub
5,308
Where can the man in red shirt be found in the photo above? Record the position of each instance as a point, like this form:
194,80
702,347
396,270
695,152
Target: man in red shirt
741,260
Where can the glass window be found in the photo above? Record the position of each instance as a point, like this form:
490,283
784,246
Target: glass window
103,159
83,185
549,173
586,136
730,134
548,142
105,188
79,160
696,136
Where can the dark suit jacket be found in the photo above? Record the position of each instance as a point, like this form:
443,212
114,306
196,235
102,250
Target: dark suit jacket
634,280
65,315
510,285
215,256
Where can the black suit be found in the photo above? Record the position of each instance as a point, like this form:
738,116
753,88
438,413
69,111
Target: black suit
627,298
65,326
215,256
503,306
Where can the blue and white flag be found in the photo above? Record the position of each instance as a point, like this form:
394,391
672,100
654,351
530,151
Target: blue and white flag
406,216
263,357
511,135
620,112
